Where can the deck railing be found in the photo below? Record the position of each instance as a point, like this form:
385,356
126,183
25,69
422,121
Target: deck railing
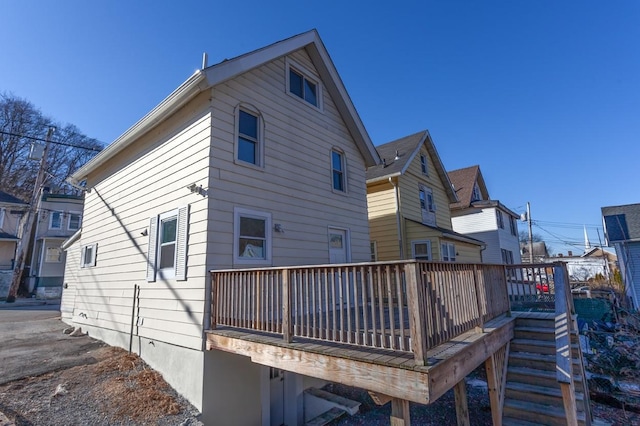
408,306
531,286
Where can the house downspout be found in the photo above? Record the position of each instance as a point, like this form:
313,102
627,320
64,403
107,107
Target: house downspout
398,219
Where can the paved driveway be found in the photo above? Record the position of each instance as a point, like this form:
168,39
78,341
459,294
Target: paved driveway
32,343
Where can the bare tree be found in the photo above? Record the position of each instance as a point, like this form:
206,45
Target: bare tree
21,125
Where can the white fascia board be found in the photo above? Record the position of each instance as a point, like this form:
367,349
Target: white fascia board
384,178
183,94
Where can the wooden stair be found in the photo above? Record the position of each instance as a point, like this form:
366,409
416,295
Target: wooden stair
532,393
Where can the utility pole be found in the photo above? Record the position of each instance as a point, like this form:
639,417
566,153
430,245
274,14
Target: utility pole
27,224
530,234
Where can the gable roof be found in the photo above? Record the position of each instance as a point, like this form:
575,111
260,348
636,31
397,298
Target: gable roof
10,199
206,78
407,148
463,181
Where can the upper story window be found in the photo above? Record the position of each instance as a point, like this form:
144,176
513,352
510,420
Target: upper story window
1,218
249,148
55,220
302,85
252,237
338,171
74,221
500,219
421,250
448,252
475,195
424,165
427,202
513,225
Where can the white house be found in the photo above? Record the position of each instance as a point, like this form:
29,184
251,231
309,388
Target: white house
477,215
256,161
622,231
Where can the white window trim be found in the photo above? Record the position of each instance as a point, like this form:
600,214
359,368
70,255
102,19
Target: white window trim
448,248
69,220
179,271
416,242
309,76
236,144
344,170
242,212
51,219
92,259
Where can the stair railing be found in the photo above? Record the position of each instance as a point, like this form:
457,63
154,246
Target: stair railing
565,326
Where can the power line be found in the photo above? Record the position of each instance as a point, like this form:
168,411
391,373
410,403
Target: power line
53,142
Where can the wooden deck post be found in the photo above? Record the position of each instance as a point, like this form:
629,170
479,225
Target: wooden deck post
417,309
287,326
496,368
462,408
400,415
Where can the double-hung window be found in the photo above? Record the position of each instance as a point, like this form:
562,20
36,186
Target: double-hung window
53,255
421,250
338,171
507,256
448,252
500,219
74,221
55,220
513,225
249,149
424,165
252,237
167,250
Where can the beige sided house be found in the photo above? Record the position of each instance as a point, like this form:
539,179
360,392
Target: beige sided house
257,161
409,196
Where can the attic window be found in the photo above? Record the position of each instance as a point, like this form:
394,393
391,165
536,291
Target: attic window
475,196
424,164
301,85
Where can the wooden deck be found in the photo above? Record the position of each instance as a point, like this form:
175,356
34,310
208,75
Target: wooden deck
389,372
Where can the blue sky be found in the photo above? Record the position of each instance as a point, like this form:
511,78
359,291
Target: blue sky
544,95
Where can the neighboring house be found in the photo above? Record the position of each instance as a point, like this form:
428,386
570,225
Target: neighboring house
58,216
584,267
11,211
409,197
476,215
256,161
622,231
540,252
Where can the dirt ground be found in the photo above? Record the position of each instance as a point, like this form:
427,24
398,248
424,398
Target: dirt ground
118,389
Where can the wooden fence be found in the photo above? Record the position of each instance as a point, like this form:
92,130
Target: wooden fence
408,306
